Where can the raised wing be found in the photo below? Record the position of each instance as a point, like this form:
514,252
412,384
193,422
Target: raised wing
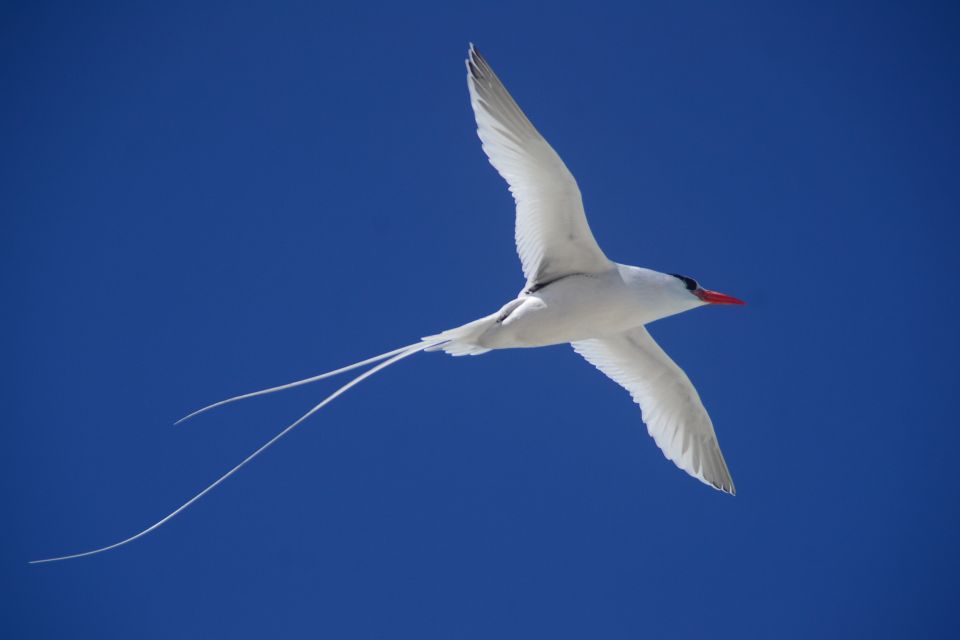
552,234
671,408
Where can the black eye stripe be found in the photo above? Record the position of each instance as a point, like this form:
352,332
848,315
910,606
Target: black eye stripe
688,282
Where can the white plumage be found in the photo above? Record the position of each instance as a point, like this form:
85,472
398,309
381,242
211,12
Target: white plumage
552,234
573,294
672,410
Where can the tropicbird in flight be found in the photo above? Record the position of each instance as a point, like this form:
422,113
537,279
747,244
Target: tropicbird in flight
573,294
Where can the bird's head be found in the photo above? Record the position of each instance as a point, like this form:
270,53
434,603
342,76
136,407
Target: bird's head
705,296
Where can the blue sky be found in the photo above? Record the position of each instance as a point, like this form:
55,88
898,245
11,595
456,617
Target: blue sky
201,199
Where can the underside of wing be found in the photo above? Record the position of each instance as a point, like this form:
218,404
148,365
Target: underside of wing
671,408
552,234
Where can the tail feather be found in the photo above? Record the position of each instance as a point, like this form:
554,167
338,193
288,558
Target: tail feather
291,385
388,359
462,341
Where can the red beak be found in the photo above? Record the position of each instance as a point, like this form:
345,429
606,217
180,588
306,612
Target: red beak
715,297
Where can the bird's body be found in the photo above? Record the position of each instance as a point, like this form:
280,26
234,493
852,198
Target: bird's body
573,294
572,308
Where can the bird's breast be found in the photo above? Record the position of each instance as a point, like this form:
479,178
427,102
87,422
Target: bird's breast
576,307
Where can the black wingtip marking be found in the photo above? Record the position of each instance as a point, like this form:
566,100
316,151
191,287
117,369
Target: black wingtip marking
473,70
477,57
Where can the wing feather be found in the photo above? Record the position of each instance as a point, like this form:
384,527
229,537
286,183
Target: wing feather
552,234
672,410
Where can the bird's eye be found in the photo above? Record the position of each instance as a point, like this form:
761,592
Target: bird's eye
689,283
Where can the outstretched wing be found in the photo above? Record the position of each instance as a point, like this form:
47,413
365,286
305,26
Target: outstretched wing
553,237
671,408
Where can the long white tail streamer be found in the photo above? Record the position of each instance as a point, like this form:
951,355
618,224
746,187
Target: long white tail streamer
291,385
403,353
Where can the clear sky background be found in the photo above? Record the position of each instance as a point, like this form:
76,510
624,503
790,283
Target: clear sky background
202,199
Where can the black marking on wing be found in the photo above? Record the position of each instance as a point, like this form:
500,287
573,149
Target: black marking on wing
543,285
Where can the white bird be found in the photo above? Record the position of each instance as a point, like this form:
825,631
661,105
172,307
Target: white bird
573,294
